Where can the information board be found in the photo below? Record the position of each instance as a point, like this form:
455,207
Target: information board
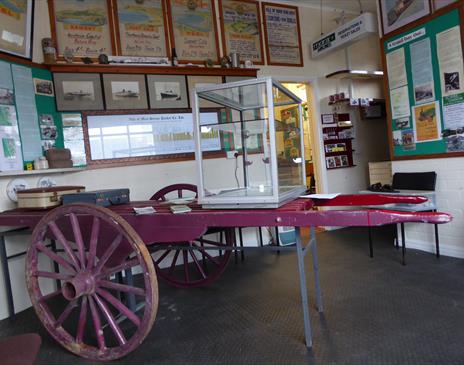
425,83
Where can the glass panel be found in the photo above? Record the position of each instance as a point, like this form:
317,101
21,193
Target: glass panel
238,97
288,145
247,170
281,98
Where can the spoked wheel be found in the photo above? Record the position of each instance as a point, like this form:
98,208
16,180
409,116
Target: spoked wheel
192,264
102,311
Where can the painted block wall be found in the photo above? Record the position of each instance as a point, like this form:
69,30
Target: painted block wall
450,198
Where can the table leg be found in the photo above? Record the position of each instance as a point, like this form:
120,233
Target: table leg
317,281
437,240
403,244
371,249
303,288
130,296
6,277
242,252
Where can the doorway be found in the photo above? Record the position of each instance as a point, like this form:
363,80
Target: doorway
304,92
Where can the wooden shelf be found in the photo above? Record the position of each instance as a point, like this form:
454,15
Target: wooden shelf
147,69
41,172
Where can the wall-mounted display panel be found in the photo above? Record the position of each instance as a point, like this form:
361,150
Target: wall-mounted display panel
141,28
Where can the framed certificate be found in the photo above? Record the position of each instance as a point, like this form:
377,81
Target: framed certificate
16,28
82,28
282,35
141,28
241,29
193,30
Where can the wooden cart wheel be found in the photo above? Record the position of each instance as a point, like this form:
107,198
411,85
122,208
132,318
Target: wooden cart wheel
190,264
93,315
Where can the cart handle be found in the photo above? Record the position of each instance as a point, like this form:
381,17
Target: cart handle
369,199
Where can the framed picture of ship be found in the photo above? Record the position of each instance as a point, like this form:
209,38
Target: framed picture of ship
125,91
167,91
397,13
75,92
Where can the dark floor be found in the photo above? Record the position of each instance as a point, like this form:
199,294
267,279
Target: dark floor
376,311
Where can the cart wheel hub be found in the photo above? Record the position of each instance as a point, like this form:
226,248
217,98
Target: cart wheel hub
83,283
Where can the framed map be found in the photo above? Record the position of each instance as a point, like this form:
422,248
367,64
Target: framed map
82,28
141,28
282,35
193,30
241,29
16,27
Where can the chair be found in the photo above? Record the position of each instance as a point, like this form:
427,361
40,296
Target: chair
416,181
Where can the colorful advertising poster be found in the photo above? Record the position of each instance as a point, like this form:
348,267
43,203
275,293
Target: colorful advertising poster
16,27
449,54
82,27
422,71
407,140
399,100
427,124
453,111
194,34
282,29
142,31
241,29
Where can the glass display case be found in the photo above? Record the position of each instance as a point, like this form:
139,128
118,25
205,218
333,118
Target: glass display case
259,126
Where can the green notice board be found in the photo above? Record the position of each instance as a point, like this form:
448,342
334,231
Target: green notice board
426,88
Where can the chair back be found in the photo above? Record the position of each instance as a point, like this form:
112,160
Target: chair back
414,180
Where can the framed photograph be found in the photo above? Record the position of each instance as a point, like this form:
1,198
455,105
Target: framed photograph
327,119
330,162
193,30
125,91
167,91
282,35
16,24
141,28
396,14
345,161
438,4
76,92
82,28
241,29
194,81
43,87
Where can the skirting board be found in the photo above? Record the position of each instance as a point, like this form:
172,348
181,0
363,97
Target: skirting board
445,250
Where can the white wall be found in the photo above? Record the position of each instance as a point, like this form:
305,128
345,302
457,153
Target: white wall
143,180
450,195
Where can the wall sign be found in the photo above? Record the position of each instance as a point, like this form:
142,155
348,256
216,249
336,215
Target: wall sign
282,35
343,36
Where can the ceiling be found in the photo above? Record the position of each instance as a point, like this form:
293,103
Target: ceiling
351,6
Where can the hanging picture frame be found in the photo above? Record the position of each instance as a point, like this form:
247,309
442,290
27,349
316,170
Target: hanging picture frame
282,35
125,91
241,29
82,28
167,91
395,15
141,28
16,24
193,30
80,91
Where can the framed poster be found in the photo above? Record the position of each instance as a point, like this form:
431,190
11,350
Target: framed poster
241,29
16,27
141,28
82,28
167,91
193,30
438,4
282,35
125,91
395,14
80,91
194,81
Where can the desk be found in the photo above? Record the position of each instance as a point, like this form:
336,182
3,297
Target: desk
429,205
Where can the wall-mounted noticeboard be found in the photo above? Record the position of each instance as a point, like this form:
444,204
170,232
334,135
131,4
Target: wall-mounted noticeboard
425,87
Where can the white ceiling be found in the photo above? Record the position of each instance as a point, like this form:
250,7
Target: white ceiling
351,6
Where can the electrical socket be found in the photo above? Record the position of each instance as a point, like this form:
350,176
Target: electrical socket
232,154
